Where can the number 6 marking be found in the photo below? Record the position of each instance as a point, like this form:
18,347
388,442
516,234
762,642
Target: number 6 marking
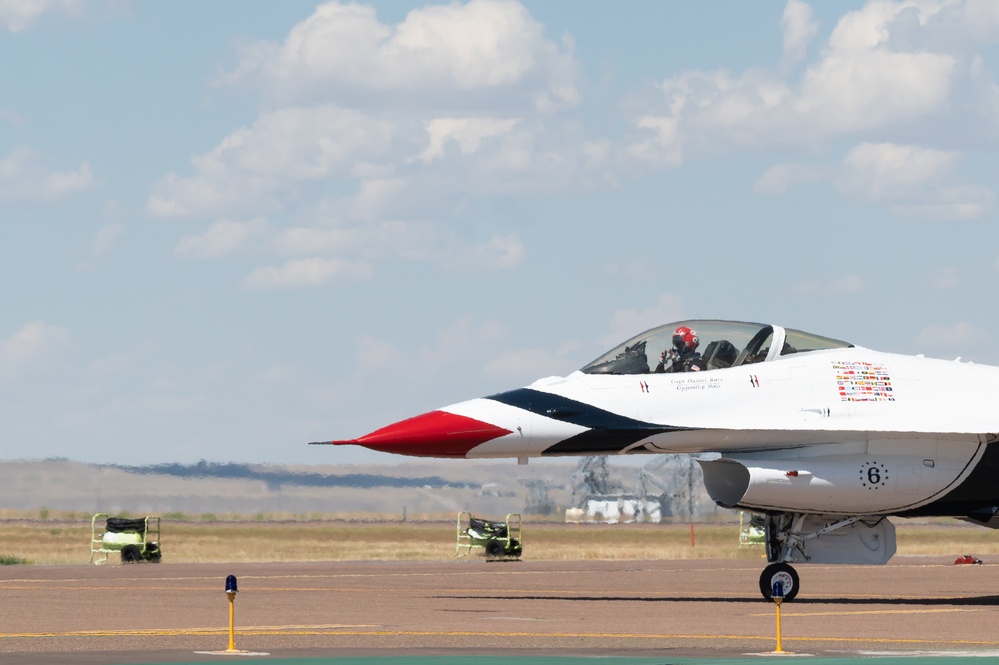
873,475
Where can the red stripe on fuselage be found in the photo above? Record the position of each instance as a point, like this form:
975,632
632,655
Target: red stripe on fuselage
434,434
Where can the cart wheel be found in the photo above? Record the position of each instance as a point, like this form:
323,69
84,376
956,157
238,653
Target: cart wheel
131,554
494,548
515,547
152,554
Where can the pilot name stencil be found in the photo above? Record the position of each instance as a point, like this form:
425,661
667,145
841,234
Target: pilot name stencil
696,383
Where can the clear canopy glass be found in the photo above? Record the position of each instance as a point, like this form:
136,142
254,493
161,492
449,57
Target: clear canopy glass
721,344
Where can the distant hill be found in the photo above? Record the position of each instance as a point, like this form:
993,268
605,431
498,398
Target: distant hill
275,478
414,488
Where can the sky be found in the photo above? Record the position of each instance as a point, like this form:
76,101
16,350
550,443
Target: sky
230,228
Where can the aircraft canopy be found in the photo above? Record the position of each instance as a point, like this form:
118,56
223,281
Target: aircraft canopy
721,344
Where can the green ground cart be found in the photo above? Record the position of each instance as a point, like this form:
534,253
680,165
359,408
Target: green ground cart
497,539
136,539
751,529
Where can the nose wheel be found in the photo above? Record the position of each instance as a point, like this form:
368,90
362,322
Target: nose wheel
779,572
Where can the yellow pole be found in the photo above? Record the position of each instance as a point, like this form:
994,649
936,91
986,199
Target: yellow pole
779,648
232,635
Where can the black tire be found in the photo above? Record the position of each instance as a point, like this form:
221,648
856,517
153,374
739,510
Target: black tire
785,574
152,553
494,548
515,548
131,554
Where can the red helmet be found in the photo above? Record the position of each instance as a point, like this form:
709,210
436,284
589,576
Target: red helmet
685,340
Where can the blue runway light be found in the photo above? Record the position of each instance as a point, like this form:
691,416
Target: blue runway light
778,589
230,584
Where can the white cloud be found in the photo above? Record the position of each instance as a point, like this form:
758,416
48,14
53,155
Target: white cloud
34,342
298,241
946,278
375,136
525,365
870,89
466,133
952,341
777,179
882,171
462,343
982,17
376,355
799,28
656,142
23,177
498,253
122,361
279,374
12,117
948,204
889,67
106,238
21,15
222,239
441,51
252,168
632,267
911,180
18,15
311,272
471,346
626,323
840,286
914,180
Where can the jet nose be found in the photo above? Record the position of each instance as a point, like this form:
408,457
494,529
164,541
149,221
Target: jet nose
433,434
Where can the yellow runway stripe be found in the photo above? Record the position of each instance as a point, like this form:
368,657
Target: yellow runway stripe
254,630
346,630
857,612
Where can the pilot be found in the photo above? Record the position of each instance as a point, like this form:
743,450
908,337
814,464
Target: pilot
683,357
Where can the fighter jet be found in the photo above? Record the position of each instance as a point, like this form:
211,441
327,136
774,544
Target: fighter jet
824,439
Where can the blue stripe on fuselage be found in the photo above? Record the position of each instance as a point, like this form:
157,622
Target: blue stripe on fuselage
607,432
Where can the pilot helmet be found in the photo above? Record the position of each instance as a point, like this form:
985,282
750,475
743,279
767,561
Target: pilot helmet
685,340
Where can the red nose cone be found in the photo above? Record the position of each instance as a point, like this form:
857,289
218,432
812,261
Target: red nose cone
434,434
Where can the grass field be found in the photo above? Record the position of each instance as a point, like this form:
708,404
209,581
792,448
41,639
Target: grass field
61,540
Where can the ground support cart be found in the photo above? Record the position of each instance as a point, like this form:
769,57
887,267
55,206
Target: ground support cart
497,539
751,529
136,539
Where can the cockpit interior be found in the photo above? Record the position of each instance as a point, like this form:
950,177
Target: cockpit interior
721,344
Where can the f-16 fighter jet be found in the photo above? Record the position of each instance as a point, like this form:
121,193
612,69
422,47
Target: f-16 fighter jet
824,439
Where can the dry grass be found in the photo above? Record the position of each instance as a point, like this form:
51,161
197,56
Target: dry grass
66,540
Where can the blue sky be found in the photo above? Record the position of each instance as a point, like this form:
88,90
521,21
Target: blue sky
230,228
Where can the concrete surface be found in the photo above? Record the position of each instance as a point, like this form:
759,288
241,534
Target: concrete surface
660,610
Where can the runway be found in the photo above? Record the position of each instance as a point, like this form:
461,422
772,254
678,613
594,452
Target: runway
663,611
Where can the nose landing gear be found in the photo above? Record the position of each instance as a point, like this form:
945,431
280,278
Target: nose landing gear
830,539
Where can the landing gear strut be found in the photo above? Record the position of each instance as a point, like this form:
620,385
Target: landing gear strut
797,537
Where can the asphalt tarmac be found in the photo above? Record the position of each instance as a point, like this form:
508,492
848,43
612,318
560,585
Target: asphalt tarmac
470,610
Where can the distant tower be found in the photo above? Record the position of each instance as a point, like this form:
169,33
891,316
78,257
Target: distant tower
538,501
591,478
677,481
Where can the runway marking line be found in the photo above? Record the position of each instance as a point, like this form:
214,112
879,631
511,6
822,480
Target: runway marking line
340,629
249,630
857,612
